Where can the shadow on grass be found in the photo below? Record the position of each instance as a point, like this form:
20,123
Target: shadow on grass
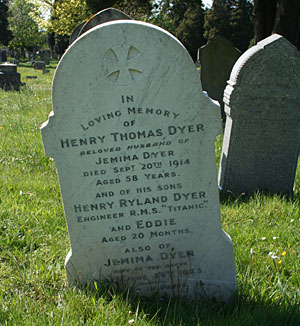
229,198
164,311
239,312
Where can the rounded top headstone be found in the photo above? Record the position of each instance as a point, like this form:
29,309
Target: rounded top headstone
270,69
76,32
131,57
217,58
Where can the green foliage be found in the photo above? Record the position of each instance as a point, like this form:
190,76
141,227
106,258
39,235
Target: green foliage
34,242
66,15
217,20
242,25
161,16
137,9
24,29
184,19
231,19
191,28
95,5
5,34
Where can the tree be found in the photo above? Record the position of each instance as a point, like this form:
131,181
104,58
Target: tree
191,28
231,19
217,20
184,19
5,34
25,31
161,16
95,6
137,9
67,14
278,16
241,24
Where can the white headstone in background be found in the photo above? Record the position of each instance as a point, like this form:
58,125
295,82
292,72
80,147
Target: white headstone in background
133,140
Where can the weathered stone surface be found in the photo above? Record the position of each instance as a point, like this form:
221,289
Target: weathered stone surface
132,136
261,141
217,59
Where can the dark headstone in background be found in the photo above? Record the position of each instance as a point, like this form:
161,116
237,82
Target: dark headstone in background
39,65
217,59
10,79
101,17
75,33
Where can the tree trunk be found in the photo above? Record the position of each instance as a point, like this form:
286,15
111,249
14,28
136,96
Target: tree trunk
277,16
287,20
264,13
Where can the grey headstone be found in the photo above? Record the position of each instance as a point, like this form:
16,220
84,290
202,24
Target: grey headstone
39,65
45,56
217,59
10,79
133,139
261,141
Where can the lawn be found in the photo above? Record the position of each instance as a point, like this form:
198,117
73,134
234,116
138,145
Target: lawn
34,242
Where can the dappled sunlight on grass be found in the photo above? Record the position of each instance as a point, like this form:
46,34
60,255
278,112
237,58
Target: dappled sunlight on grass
34,242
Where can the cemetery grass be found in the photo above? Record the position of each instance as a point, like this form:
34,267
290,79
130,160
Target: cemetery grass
34,242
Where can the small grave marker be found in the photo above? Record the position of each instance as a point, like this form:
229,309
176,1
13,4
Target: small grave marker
132,136
261,141
45,56
39,65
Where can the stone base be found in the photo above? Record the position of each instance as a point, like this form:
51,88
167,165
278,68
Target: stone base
10,81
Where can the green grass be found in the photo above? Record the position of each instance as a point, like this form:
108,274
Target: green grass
34,242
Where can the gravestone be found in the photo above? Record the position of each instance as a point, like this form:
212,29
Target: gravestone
217,59
45,56
39,65
132,136
261,141
10,79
